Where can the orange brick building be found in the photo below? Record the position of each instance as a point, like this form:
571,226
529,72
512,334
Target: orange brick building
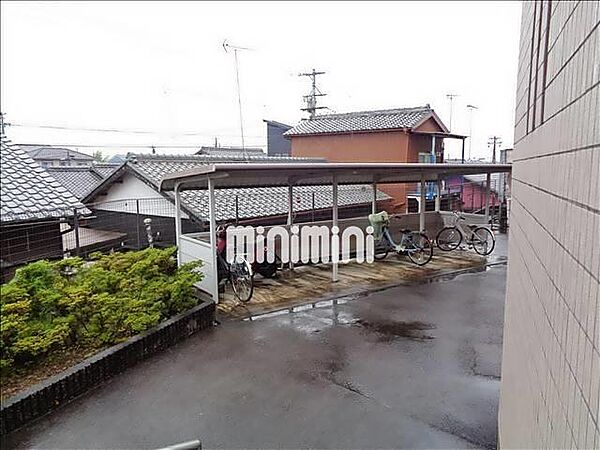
393,135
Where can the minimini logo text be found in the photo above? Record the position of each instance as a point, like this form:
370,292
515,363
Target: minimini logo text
314,243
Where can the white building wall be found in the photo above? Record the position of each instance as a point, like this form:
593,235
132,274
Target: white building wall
131,192
550,395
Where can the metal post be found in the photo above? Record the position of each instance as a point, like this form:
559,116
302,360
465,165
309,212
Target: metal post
488,179
213,238
178,221
137,223
422,205
462,153
438,197
290,220
374,200
76,231
334,275
237,210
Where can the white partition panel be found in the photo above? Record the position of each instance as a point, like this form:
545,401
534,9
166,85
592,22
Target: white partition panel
195,250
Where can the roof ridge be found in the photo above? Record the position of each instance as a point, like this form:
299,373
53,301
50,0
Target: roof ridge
207,157
375,112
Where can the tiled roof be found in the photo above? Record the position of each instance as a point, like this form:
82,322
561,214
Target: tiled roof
106,169
80,181
229,150
252,202
27,191
55,153
387,119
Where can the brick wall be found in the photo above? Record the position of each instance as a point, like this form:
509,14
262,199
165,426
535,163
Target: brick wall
551,364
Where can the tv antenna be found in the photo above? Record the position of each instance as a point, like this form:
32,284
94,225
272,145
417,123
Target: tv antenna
311,98
451,98
227,46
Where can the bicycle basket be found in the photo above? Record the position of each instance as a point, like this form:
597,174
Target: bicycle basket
378,221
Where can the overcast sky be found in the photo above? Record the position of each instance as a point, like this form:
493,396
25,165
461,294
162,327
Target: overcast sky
160,68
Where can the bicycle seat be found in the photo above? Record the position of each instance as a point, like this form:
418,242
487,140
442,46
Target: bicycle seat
405,231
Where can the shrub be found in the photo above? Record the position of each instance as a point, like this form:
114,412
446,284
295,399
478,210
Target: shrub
49,306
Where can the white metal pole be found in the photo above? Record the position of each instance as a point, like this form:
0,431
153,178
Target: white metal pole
488,179
290,219
213,239
422,205
438,197
334,274
178,222
374,200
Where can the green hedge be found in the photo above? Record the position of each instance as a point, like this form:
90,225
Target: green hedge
49,306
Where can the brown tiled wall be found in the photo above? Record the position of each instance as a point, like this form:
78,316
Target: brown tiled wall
550,396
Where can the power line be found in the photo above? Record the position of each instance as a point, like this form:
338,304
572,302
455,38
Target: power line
148,146
123,131
311,98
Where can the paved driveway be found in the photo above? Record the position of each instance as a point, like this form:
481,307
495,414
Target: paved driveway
406,367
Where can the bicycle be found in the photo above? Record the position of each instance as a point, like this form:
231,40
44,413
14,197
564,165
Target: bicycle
416,245
480,238
238,273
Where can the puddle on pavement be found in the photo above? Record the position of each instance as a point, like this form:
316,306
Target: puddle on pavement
389,331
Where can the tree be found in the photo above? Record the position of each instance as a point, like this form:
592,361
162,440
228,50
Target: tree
98,156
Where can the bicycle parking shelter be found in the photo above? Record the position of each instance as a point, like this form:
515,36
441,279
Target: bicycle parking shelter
253,175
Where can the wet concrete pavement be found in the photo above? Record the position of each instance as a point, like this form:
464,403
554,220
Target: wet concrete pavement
412,366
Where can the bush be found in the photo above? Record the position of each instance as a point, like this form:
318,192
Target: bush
49,306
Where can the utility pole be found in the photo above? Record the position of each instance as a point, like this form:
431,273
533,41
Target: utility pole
3,123
311,98
451,98
471,108
492,142
235,49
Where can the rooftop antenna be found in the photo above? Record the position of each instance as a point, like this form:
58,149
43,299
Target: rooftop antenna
451,98
471,108
227,46
311,98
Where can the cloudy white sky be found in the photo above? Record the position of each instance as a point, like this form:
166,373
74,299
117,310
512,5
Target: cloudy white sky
160,69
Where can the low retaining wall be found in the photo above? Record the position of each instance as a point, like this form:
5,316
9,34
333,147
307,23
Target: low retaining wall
60,389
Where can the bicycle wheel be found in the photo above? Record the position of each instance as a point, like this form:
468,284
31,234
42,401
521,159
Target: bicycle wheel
420,250
242,281
381,250
448,239
483,241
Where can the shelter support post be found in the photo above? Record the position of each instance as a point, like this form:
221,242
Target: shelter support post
374,200
488,180
438,197
462,152
213,238
334,274
422,205
177,221
290,219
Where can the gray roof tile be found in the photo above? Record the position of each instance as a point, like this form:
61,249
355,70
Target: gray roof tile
42,152
387,119
80,181
27,191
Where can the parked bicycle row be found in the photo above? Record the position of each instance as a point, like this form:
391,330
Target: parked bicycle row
416,245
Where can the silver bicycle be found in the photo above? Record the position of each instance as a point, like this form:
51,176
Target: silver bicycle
416,245
480,238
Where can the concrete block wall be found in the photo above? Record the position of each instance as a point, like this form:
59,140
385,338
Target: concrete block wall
550,394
